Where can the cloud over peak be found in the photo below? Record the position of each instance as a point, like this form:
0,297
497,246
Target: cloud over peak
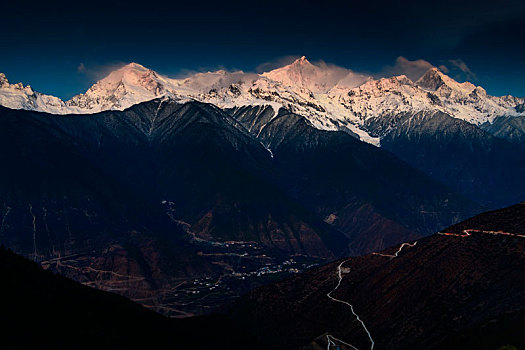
459,65
403,66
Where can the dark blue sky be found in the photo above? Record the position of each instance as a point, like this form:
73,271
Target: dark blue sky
44,44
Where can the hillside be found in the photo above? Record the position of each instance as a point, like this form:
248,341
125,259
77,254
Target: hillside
449,290
48,311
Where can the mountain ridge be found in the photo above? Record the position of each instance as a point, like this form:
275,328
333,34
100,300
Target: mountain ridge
330,97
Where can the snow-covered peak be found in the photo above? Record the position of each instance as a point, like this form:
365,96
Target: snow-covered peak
122,88
435,80
297,64
302,59
432,79
18,96
204,82
434,91
4,83
319,78
385,85
130,73
301,74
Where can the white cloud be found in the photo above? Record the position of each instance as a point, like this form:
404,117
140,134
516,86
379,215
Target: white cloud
403,66
95,72
466,72
444,69
218,79
341,76
277,63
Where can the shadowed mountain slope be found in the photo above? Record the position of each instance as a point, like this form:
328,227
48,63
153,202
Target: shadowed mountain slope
445,291
135,201
367,193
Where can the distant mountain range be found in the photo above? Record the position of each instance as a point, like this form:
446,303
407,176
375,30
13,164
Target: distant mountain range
185,193
330,97
449,130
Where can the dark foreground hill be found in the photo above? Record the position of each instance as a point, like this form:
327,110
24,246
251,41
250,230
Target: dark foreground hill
461,289
39,308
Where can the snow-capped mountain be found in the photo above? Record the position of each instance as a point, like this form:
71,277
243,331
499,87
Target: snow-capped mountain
123,88
18,96
330,97
315,78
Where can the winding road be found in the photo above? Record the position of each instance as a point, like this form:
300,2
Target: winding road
468,232
329,337
331,340
398,251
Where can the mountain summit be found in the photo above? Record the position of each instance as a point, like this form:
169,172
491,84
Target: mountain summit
121,89
434,79
315,78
